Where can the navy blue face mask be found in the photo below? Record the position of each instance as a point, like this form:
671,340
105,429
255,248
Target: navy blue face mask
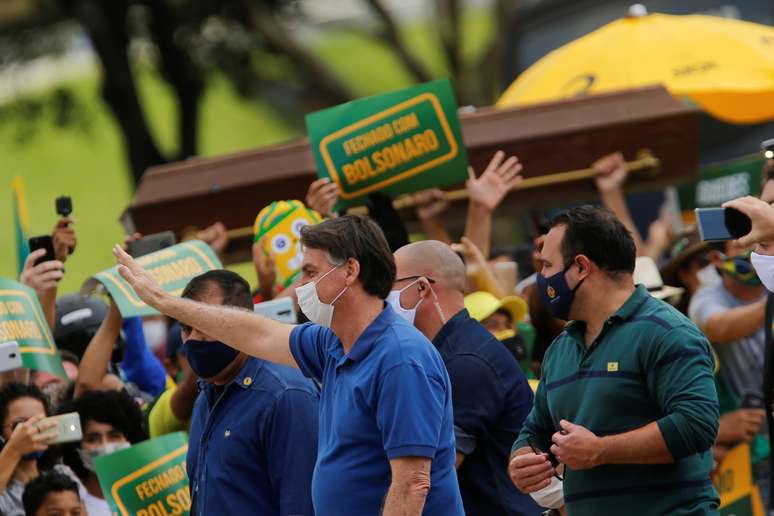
33,455
557,296
208,357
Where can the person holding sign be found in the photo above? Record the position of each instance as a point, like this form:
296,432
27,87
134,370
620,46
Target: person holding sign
253,439
386,423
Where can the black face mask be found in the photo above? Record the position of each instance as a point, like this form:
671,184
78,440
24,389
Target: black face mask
208,358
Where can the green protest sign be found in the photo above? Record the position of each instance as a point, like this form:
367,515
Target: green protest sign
398,142
172,268
22,320
148,479
722,182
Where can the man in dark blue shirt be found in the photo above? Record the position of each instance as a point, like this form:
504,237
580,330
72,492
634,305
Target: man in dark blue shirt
387,439
253,439
490,393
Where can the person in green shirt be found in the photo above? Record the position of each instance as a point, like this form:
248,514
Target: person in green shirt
626,400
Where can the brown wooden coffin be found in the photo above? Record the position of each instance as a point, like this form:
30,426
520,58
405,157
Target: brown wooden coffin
548,139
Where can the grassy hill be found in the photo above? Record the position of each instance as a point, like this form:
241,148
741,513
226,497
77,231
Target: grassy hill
91,168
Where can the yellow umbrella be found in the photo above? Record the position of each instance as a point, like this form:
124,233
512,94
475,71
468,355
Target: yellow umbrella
725,66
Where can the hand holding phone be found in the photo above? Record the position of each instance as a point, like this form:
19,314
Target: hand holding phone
10,356
150,244
43,242
720,224
64,428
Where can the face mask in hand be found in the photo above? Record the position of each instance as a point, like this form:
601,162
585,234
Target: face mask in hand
88,456
208,358
550,497
309,302
764,268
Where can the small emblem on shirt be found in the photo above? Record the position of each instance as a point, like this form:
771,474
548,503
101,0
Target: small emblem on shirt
551,292
612,367
227,432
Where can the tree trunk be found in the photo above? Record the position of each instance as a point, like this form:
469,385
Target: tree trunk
262,20
391,36
180,72
106,24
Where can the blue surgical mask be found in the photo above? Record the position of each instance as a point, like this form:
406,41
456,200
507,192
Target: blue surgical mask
207,357
557,296
33,455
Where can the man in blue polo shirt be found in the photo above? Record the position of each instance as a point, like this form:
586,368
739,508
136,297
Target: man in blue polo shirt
386,434
490,393
253,437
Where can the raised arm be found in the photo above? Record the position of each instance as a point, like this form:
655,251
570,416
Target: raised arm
94,364
245,331
486,193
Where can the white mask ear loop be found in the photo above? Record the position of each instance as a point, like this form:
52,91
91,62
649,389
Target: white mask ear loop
437,306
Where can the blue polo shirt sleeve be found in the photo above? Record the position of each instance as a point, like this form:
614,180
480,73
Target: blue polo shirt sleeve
410,411
679,377
477,401
308,345
290,441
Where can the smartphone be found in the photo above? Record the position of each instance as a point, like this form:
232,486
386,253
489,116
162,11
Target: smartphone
10,356
719,224
67,430
64,205
281,310
43,242
753,400
151,243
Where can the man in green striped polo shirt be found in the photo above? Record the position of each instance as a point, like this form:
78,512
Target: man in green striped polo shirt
626,400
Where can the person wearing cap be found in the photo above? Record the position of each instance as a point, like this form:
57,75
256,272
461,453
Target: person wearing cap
626,400
490,394
646,273
688,267
731,314
504,318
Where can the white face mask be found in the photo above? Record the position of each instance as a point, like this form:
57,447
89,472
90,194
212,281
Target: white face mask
708,276
393,299
764,268
550,497
88,456
155,331
314,309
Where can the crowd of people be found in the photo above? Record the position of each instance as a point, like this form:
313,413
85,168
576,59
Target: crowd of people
591,370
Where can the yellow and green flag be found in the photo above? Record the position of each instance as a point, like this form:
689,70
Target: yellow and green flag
20,221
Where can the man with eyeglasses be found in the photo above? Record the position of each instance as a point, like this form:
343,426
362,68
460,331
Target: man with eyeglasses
490,394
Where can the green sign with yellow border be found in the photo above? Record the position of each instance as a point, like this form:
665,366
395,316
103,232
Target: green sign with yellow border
396,143
22,320
172,268
148,479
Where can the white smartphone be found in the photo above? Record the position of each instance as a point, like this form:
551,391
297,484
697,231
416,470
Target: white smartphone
68,428
281,310
10,356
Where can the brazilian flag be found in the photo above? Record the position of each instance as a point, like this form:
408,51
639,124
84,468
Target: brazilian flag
20,221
